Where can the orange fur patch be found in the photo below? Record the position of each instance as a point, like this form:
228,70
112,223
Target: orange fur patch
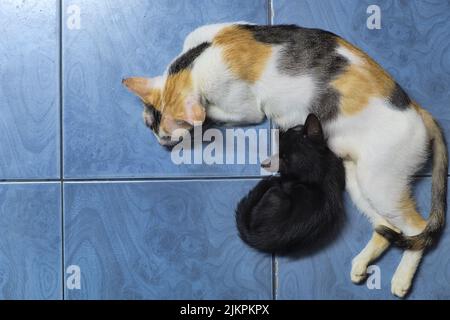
379,244
360,82
426,117
142,87
407,205
176,89
416,106
177,112
245,56
154,97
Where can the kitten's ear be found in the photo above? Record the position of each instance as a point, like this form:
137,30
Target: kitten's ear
194,112
313,128
145,89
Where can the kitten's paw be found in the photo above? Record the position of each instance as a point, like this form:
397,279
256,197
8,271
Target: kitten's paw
359,270
400,285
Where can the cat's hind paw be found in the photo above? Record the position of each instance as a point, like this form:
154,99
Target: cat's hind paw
400,285
359,271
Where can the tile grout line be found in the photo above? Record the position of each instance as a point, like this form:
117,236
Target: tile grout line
32,181
61,180
61,145
270,12
126,179
270,15
149,179
145,180
275,278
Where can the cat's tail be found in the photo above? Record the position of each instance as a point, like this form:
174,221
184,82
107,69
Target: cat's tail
436,220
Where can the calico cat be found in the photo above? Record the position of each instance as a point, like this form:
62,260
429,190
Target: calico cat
296,211
244,73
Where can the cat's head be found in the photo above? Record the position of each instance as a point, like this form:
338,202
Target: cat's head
171,108
302,151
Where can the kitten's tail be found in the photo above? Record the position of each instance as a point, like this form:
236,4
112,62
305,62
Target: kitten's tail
436,220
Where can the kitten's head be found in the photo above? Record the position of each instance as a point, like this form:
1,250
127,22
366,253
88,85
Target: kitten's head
171,108
302,151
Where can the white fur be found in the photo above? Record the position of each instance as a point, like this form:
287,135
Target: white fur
158,82
280,97
383,146
231,99
386,146
350,56
381,139
205,33
403,276
284,98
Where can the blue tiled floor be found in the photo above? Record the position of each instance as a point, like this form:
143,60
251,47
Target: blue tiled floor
412,44
162,240
137,237
30,241
29,94
326,275
104,135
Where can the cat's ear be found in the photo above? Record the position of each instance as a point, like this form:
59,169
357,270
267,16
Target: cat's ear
138,85
313,128
194,112
145,88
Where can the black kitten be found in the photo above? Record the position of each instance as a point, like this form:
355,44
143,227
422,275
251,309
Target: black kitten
298,209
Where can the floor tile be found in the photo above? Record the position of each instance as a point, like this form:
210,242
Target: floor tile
104,135
413,43
326,275
30,242
161,240
29,103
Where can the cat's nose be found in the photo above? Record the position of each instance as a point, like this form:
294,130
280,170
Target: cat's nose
167,141
265,163
271,164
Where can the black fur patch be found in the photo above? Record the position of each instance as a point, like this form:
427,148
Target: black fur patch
301,210
155,115
399,98
307,51
304,49
186,60
326,104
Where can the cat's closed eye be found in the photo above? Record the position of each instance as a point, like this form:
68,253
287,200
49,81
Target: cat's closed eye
180,122
149,119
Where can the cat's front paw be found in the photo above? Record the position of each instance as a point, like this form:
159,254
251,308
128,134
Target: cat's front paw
400,285
359,270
